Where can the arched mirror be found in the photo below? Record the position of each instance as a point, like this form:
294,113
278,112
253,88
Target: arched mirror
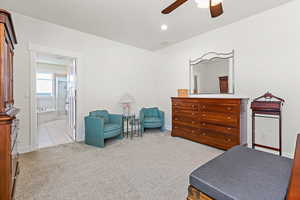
212,73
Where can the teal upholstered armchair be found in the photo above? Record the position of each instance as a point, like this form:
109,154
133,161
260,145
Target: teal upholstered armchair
152,118
100,125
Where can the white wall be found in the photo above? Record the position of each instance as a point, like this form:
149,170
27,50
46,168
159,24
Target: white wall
267,49
266,45
52,68
109,69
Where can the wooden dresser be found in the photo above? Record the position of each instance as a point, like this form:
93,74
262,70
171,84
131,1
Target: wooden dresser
218,122
9,168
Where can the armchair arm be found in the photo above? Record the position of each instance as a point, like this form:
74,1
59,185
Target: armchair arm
161,114
115,118
94,129
142,116
162,117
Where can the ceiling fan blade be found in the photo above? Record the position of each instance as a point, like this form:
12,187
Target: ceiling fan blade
173,6
216,10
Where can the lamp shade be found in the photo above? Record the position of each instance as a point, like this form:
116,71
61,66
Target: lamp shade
126,99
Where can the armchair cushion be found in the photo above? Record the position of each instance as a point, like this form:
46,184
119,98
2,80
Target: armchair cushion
101,113
151,112
152,120
111,127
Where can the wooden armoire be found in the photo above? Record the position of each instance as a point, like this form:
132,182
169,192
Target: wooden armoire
9,168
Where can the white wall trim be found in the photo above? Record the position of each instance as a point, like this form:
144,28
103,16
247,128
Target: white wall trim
288,155
168,127
33,116
34,49
25,149
54,51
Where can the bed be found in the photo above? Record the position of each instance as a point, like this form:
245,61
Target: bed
246,174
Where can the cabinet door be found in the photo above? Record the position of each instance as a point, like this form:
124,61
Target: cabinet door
10,94
3,52
6,70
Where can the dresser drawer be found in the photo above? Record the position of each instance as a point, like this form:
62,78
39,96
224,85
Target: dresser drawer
219,118
189,121
185,106
219,128
186,113
219,108
220,140
185,131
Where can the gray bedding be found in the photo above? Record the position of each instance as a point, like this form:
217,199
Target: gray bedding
244,174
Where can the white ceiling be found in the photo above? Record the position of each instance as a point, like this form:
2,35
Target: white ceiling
137,22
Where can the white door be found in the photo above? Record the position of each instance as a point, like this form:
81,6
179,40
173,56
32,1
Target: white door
71,100
61,95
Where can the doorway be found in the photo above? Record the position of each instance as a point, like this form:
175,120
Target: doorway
54,100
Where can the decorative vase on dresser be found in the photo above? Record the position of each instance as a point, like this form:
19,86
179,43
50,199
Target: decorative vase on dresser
218,122
9,168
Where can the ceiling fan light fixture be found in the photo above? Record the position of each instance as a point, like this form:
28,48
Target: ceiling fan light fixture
205,3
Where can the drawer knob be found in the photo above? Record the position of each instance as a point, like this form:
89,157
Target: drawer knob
204,134
193,113
203,124
193,122
176,119
228,140
203,115
193,106
193,131
203,106
228,108
228,117
229,129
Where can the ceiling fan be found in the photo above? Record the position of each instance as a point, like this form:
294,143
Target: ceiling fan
215,6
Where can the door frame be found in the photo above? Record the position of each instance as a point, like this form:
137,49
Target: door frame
34,50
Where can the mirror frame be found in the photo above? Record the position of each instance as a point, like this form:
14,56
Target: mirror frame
210,56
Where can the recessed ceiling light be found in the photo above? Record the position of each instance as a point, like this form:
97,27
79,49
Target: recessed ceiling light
164,27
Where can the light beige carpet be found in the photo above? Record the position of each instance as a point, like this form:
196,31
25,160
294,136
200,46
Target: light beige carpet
155,167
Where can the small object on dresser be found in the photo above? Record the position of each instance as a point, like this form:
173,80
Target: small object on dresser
183,92
223,81
267,106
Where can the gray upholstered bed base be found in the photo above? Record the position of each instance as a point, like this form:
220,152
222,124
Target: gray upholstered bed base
244,174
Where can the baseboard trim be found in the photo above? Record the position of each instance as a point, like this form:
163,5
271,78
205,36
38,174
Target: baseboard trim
169,128
288,155
25,149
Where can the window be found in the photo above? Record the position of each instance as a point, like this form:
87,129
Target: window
44,84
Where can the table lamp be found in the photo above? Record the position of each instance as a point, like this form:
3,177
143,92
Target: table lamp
126,101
